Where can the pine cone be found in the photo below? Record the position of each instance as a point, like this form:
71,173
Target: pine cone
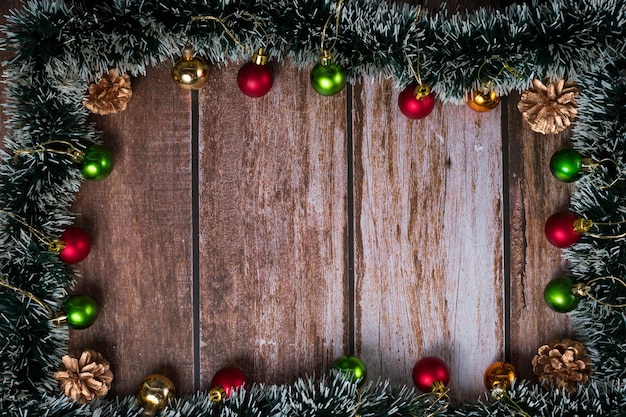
549,108
110,94
85,378
562,364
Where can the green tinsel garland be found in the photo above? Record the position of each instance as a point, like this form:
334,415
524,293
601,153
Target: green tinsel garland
59,46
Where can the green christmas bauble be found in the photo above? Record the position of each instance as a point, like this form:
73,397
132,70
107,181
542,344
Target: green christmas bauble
351,365
80,310
97,164
566,165
328,79
558,295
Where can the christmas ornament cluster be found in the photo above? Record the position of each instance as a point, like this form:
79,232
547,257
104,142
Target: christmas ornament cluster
70,59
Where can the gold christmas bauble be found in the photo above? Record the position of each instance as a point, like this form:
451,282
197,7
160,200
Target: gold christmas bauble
190,72
483,100
155,393
500,376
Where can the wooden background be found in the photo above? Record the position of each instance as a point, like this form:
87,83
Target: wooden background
277,234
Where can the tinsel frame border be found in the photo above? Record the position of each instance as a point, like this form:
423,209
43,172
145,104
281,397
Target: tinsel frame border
60,46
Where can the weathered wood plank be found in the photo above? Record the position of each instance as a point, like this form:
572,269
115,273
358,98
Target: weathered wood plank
139,219
428,238
534,195
273,228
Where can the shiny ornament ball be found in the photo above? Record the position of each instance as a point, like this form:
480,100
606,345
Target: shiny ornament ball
559,296
416,101
255,80
190,72
566,165
77,245
428,371
154,393
483,101
228,379
500,375
351,365
80,310
97,163
559,229
328,79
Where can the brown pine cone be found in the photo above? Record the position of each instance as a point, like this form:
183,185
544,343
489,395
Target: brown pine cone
562,364
85,378
549,108
110,94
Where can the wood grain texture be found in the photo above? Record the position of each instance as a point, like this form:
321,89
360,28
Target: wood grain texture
139,219
428,238
273,228
534,195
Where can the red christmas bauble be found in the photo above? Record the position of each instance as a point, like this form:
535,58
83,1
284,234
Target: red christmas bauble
228,379
416,101
255,80
77,245
560,231
429,370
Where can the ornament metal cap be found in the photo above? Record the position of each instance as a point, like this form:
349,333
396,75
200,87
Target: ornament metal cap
217,394
260,57
188,53
326,58
582,225
422,90
589,165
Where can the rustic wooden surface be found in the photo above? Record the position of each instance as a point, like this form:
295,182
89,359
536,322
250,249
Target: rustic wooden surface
534,195
139,219
273,224
432,200
428,213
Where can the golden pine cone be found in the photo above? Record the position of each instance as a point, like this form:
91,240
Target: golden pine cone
549,108
84,378
110,94
562,364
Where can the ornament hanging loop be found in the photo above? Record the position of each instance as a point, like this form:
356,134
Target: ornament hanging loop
589,165
583,290
414,71
28,294
502,396
327,52
583,226
505,67
441,397
53,245
239,14
75,154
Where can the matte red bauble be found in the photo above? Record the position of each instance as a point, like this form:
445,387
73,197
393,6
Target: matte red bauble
416,101
77,245
560,230
255,78
428,371
228,379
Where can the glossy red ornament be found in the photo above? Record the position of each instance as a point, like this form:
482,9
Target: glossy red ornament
255,78
228,379
77,245
428,371
560,230
416,101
